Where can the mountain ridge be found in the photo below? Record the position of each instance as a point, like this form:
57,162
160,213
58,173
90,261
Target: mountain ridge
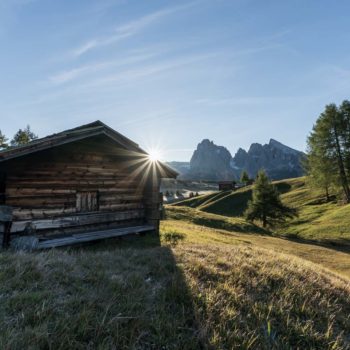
213,162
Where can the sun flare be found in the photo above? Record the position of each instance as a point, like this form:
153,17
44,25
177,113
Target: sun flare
154,155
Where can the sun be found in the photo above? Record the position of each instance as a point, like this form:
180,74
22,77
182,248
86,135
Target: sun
154,155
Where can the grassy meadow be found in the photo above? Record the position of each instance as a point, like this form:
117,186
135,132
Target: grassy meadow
319,221
210,281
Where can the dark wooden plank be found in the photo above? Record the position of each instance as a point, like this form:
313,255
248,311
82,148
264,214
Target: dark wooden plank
92,236
78,220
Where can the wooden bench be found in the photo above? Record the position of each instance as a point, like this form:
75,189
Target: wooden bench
92,236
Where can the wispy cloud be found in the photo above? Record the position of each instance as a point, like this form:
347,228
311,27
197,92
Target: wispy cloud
128,29
153,69
119,78
84,70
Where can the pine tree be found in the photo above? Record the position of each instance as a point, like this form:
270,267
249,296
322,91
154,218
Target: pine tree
244,177
329,140
266,205
3,141
319,167
344,110
23,137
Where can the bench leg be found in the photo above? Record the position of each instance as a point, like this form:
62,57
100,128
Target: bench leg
7,234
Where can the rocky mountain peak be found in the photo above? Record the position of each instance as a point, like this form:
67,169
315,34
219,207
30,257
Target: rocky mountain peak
255,148
278,160
210,161
213,162
280,146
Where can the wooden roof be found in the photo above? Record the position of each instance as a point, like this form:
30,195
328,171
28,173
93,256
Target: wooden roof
72,135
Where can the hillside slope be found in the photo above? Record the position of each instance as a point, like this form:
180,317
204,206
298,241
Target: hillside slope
198,227
227,284
318,220
143,294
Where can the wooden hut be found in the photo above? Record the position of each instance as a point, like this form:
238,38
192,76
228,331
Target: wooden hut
82,184
227,185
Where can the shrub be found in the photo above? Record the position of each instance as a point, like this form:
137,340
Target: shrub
172,238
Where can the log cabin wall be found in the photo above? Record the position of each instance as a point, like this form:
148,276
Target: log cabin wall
153,200
85,185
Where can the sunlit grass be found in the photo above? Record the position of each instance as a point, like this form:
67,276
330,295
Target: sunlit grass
318,220
216,290
328,258
208,282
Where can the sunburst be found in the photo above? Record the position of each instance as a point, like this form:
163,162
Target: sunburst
154,155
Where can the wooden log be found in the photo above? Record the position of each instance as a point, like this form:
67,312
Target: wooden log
77,176
77,185
121,197
35,192
136,205
78,220
41,202
26,214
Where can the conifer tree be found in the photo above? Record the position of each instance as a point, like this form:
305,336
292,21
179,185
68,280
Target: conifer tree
22,137
266,205
318,167
3,141
345,115
244,177
329,142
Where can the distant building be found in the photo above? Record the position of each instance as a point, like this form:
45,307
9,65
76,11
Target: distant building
227,185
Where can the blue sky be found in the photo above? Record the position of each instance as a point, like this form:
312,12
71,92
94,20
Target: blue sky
169,73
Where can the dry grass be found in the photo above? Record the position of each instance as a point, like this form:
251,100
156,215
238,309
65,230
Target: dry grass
201,218
327,257
195,296
248,298
211,282
104,299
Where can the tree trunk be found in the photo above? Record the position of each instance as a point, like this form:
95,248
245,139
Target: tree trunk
342,172
327,193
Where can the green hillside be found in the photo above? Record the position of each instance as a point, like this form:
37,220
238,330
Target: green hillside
318,220
195,202
210,281
217,289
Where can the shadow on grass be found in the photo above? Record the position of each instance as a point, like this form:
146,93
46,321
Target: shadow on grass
283,187
214,221
124,293
232,205
229,226
340,245
322,200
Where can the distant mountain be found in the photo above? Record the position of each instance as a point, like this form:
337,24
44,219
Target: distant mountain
279,161
180,167
212,162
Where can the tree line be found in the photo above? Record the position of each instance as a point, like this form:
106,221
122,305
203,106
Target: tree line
21,137
328,151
